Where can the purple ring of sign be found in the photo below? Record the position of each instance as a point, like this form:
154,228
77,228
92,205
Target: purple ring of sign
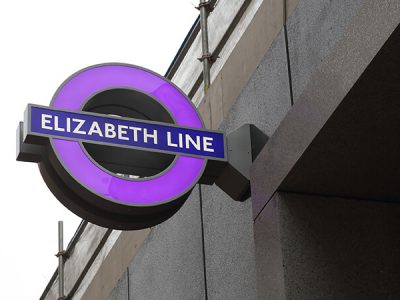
176,181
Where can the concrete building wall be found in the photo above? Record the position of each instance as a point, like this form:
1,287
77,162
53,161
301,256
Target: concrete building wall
287,245
256,25
169,264
310,246
298,246
228,225
313,247
313,32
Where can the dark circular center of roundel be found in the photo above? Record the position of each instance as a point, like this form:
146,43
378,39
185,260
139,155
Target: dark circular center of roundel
130,163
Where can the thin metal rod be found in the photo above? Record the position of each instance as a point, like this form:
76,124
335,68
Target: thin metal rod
60,260
204,40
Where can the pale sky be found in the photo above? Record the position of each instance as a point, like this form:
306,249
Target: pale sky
41,44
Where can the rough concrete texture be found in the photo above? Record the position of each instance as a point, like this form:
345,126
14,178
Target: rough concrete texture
329,85
229,246
313,31
265,100
120,292
339,248
169,264
228,225
327,248
269,265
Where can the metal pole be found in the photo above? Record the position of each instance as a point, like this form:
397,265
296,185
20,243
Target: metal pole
206,58
60,256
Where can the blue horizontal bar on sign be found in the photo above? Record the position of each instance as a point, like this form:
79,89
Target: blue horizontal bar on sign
124,132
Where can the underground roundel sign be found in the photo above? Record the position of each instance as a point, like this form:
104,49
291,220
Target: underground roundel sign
119,145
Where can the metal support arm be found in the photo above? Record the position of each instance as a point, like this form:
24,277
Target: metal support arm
233,176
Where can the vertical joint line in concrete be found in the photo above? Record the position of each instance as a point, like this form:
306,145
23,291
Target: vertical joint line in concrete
202,243
129,291
287,51
263,207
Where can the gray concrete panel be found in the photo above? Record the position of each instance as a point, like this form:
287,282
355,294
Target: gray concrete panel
356,153
267,236
327,89
228,225
337,248
229,246
265,99
169,264
311,247
313,31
